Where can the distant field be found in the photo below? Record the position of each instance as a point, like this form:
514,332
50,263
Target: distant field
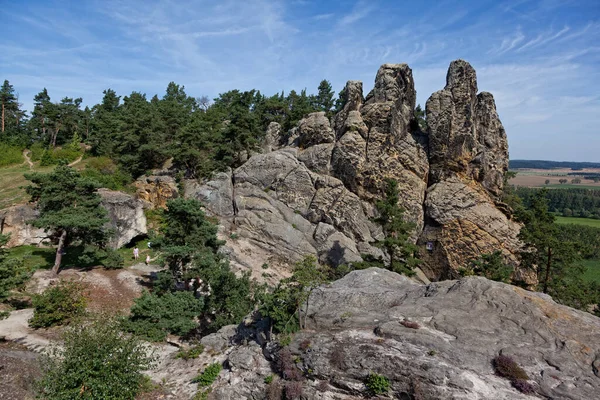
578,221
537,178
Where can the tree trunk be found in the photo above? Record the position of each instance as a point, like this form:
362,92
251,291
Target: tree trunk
548,266
54,135
59,252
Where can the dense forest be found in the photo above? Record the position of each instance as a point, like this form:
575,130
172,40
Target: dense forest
544,164
139,133
570,202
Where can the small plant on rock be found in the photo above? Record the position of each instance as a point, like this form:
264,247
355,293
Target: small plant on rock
293,390
523,386
507,367
269,379
209,375
377,384
190,353
410,324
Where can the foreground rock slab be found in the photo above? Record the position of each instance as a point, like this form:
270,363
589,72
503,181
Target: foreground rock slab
360,324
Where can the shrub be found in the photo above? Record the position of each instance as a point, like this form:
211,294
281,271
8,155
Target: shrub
37,150
293,390
58,305
377,384
287,367
274,391
523,386
153,316
10,155
209,375
113,260
190,353
410,324
507,367
12,271
268,379
96,361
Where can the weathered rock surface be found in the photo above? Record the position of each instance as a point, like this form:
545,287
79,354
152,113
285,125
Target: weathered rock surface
330,175
14,221
468,159
156,189
126,214
355,327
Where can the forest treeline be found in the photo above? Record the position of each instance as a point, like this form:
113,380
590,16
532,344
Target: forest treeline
140,133
571,202
545,164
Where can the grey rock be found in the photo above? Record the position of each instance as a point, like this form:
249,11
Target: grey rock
15,221
272,138
317,158
126,215
315,129
216,194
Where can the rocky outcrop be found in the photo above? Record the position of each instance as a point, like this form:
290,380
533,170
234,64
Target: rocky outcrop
313,190
15,221
468,158
156,190
435,341
126,214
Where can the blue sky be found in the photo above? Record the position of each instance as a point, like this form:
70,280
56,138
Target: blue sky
540,58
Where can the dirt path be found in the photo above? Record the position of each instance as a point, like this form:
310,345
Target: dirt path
76,161
27,159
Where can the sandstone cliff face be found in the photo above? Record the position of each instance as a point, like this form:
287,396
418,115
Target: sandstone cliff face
355,327
126,214
313,189
468,154
156,190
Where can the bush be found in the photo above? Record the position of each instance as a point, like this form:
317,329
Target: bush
523,386
293,390
377,384
37,150
104,171
410,324
12,272
113,260
190,353
96,361
53,156
507,367
153,316
58,305
209,375
274,391
10,155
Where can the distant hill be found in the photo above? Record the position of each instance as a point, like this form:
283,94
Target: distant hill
544,164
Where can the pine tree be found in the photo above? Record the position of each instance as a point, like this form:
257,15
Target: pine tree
69,207
397,231
324,98
9,102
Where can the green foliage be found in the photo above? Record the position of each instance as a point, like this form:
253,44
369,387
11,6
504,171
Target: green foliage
377,384
113,259
269,378
10,155
12,271
58,305
190,353
584,203
69,208
284,303
154,316
96,361
209,375
36,151
104,171
397,232
491,266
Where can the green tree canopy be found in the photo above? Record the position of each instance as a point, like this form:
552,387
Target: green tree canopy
69,207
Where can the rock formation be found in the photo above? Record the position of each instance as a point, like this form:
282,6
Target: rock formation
156,190
360,324
126,214
313,190
468,155
14,221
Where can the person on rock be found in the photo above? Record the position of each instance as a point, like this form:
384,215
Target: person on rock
136,253
148,259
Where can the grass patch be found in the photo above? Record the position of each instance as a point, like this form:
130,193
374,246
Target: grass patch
127,253
10,155
578,221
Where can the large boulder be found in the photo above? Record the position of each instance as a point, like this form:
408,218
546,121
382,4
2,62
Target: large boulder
126,215
15,221
435,341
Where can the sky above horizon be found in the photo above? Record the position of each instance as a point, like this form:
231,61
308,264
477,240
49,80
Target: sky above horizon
539,58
